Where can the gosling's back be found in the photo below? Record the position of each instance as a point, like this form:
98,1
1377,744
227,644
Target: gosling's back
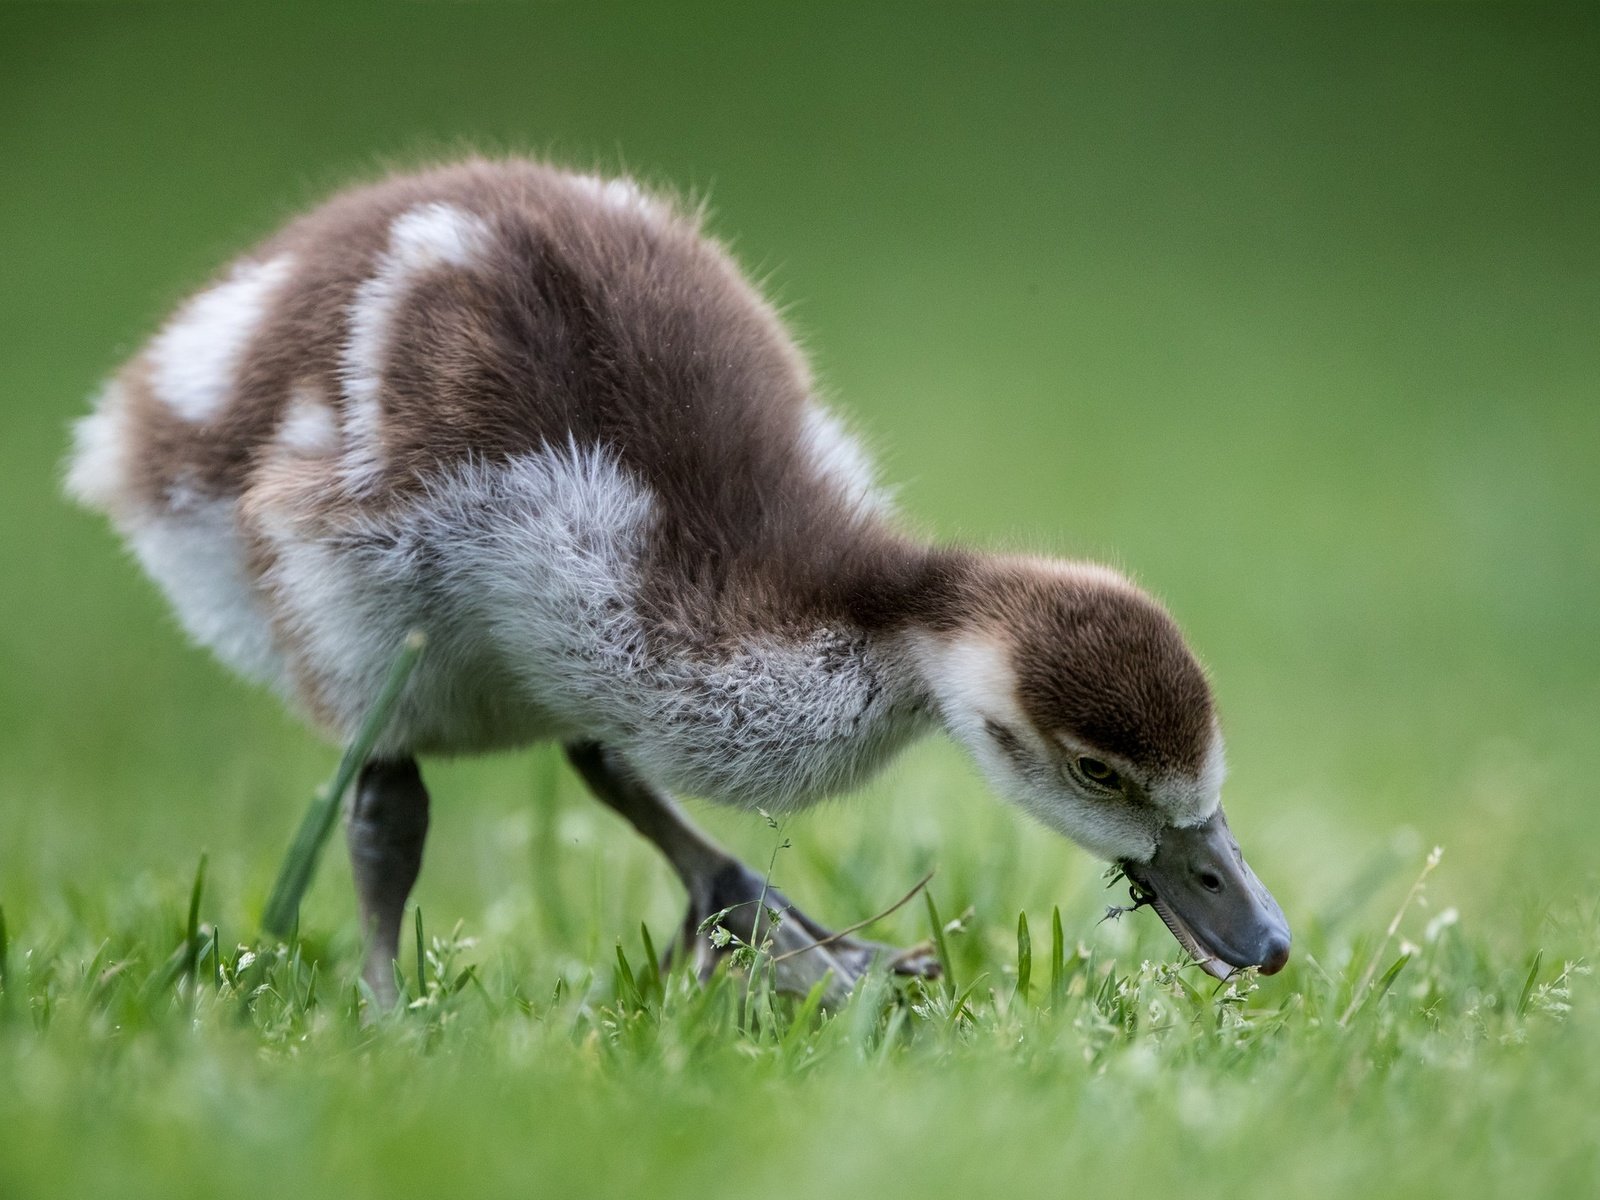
487,399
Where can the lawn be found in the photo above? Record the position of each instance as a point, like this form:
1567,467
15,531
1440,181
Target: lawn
1289,312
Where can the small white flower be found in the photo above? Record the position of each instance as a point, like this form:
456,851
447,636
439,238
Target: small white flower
1439,924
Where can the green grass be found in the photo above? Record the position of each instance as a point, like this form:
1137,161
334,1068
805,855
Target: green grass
1289,310
147,1047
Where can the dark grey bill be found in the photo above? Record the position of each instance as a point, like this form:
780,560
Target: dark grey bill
1200,885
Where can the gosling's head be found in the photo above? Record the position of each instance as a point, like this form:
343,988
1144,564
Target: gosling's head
1080,700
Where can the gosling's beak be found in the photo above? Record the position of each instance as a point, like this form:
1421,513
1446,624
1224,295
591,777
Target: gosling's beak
1200,885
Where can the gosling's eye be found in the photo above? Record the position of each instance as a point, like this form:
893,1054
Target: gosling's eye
1096,772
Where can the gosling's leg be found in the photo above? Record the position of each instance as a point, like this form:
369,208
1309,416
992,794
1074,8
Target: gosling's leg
387,826
803,951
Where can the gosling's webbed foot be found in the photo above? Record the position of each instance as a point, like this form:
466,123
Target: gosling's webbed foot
800,952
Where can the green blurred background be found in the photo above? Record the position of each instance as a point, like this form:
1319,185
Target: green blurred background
1292,311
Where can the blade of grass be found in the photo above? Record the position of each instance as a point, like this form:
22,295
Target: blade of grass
939,942
1527,985
167,974
657,986
801,1025
1357,996
627,984
1058,957
422,959
761,944
649,944
5,961
294,876
890,1036
1385,981
959,1006
1389,976
192,930
1024,957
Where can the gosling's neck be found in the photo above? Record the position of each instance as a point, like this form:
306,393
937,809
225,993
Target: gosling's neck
813,696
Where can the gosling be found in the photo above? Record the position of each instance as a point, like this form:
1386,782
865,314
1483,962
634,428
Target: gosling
544,418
